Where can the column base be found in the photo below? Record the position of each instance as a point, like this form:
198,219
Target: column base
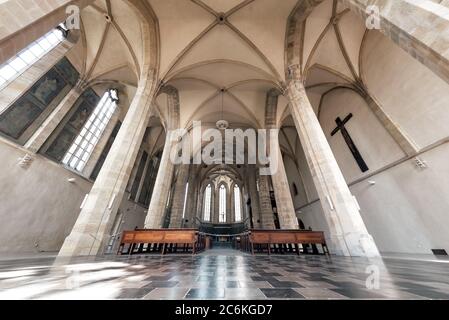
80,245
354,245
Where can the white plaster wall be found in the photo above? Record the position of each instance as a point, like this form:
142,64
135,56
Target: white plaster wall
375,144
406,211
38,206
410,93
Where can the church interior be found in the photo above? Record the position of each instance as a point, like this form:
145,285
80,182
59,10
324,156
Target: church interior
348,95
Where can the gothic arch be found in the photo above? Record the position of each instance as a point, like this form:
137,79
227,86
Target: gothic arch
405,30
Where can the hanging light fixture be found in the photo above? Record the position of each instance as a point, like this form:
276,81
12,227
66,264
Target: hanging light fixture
222,124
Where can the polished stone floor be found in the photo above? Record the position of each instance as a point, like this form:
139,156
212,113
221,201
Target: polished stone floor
224,274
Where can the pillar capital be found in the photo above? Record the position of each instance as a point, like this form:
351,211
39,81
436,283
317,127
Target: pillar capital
293,73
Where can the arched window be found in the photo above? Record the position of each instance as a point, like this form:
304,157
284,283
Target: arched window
237,204
207,203
81,150
15,66
222,210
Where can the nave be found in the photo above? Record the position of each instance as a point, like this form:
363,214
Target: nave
295,131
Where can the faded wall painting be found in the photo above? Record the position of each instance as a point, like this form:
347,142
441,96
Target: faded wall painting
83,108
32,107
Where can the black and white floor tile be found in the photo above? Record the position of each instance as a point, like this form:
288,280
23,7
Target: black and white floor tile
224,275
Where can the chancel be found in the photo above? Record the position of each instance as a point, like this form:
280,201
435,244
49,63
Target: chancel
223,149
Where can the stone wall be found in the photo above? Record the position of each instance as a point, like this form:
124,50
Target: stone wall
39,206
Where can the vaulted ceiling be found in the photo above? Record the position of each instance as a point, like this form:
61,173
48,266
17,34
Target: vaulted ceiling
333,40
110,48
222,55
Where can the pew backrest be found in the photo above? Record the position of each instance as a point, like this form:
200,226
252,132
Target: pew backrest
286,236
160,236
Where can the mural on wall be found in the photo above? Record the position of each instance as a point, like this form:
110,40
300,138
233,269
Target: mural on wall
48,87
59,147
81,112
15,120
68,71
31,108
81,116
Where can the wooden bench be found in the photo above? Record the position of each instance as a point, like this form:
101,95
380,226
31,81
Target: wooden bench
286,240
161,241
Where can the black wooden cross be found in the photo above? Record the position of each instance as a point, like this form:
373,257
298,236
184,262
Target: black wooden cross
355,152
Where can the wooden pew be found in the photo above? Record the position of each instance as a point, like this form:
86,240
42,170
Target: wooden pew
286,240
161,241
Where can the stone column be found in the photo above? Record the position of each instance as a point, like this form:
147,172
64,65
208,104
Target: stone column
243,206
231,211
159,198
216,204
177,208
90,234
254,196
229,218
349,235
192,199
245,197
162,186
284,202
266,209
199,208
51,123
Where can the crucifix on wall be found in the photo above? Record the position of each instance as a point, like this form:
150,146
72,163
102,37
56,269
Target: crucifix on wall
355,152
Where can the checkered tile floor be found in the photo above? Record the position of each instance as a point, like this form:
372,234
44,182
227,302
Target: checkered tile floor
224,275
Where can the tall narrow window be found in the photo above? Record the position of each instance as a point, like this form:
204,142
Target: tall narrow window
15,66
207,203
222,210
81,150
237,204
